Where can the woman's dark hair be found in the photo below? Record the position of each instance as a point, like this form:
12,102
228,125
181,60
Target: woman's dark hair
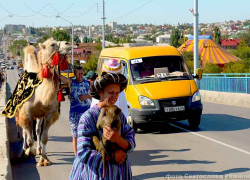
78,68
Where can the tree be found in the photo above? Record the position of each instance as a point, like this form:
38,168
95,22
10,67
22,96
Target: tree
77,39
61,35
85,39
217,35
175,36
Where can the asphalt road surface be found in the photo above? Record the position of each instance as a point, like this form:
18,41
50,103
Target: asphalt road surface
219,149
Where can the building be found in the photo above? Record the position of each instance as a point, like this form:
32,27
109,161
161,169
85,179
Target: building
230,43
113,25
82,51
164,38
10,28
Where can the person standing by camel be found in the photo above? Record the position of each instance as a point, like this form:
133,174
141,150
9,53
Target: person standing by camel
80,100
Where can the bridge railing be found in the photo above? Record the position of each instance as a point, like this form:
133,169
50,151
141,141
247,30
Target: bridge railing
226,82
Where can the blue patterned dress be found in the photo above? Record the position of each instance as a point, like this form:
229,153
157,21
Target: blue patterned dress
77,107
88,162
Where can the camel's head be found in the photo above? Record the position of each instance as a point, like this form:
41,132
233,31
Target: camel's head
64,47
47,48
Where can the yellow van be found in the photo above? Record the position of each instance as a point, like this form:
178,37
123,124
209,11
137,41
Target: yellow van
160,85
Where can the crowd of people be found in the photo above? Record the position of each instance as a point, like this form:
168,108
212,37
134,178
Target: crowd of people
88,95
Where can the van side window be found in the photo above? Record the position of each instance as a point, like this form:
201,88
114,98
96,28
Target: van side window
124,69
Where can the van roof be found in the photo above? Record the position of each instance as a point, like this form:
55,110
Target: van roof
139,52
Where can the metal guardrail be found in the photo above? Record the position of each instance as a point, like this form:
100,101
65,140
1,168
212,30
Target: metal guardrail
226,82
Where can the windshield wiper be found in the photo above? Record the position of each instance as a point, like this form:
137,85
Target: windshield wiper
150,81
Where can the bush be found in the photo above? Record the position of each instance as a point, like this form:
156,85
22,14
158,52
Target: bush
236,67
211,68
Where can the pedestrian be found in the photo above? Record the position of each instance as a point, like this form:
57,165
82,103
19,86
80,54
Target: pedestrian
80,100
88,163
91,76
113,66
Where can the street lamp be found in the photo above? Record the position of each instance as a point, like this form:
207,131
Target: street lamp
72,59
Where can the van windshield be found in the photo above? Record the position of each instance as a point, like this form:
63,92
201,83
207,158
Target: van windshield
159,68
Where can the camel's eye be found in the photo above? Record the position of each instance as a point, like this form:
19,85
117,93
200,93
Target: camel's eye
52,45
67,43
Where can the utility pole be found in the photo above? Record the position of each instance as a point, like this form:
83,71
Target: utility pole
196,40
103,24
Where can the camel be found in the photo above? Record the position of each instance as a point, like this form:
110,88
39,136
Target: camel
32,65
43,103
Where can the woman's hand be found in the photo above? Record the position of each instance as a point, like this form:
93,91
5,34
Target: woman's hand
111,135
120,156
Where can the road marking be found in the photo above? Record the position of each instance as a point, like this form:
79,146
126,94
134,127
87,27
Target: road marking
213,140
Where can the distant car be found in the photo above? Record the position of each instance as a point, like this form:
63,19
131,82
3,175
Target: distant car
14,63
11,67
20,71
3,66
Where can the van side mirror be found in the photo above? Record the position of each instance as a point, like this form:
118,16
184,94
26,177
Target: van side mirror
198,73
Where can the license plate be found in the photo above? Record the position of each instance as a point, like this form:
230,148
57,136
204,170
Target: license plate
172,109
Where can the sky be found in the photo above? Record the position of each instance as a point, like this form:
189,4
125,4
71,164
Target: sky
88,12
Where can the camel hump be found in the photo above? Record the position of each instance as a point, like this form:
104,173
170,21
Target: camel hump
30,59
30,49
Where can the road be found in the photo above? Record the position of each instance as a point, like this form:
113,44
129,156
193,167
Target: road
220,148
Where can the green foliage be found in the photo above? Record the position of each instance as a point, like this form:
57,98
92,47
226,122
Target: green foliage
98,40
91,65
236,67
17,47
190,65
44,38
243,51
211,68
217,35
188,55
61,35
77,39
175,37
85,39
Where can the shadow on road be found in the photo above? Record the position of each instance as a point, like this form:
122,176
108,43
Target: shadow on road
148,158
176,174
60,138
209,122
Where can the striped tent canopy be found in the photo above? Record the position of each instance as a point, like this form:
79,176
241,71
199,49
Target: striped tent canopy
209,51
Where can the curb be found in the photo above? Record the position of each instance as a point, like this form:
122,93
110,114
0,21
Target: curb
5,166
235,99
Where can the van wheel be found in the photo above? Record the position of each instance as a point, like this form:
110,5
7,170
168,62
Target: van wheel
131,122
194,121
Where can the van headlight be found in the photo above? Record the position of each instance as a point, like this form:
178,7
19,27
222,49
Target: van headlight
196,96
145,101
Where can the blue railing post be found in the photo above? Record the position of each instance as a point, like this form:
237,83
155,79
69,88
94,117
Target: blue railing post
246,84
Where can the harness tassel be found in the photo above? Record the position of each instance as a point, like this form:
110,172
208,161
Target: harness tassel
55,60
63,65
60,96
45,72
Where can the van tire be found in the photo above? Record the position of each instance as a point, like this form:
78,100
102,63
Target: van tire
131,122
194,121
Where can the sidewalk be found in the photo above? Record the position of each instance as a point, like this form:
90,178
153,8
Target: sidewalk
5,166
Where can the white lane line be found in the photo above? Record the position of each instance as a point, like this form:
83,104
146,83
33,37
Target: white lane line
213,140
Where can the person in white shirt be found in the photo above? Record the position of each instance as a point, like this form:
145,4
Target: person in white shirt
113,66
